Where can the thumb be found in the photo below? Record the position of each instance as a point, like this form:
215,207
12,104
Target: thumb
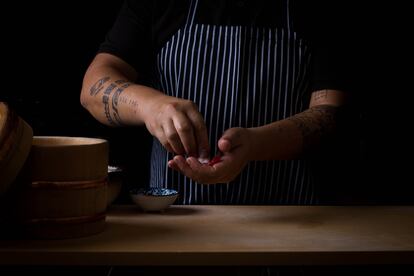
230,139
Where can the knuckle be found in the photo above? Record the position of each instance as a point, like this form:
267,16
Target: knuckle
172,136
184,127
194,106
171,107
201,127
168,147
165,144
191,104
160,135
151,127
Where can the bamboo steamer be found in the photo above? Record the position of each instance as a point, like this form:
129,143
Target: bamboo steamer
63,188
15,143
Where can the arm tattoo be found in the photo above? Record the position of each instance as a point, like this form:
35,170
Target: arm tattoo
113,117
120,81
323,94
105,100
115,102
98,86
315,125
128,101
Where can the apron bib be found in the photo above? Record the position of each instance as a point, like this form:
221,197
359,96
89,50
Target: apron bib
239,76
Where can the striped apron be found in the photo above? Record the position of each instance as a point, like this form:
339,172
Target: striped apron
239,76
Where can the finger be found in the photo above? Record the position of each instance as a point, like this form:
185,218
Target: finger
183,166
173,165
224,145
206,174
195,165
200,133
163,140
230,139
201,173
168,147
185,131
172,137
197,172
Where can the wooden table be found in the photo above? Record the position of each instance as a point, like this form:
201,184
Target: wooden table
233,235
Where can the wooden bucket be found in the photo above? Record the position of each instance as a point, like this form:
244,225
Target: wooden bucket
68,159
15,143
63,188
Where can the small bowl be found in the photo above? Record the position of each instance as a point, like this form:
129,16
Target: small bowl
115,179
153,199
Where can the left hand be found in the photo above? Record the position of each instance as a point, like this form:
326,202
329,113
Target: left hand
235,148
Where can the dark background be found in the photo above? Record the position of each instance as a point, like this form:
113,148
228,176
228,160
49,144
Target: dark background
48,45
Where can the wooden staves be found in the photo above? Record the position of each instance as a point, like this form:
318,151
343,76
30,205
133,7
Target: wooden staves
62,190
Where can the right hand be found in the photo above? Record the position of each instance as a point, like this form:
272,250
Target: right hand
178,125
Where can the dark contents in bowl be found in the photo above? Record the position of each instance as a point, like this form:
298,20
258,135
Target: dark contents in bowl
155,192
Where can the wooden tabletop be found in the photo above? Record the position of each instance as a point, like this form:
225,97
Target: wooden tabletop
233,235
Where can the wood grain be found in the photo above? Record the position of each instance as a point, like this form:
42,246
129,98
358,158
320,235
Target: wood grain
61,190
234,235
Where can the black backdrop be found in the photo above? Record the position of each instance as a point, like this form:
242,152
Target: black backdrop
48,45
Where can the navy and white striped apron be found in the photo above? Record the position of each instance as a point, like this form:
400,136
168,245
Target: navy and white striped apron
239,76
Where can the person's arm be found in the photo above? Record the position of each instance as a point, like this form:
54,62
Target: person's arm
106,77
281,140
110,95
303,132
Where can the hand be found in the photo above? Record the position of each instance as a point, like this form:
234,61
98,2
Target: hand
178,125
235,148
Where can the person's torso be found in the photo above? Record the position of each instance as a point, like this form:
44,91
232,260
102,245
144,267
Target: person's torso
240,75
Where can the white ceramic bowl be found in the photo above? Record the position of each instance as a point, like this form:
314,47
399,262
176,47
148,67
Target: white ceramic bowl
153,199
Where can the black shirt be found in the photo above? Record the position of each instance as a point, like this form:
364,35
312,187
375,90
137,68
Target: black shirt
265,46
143,27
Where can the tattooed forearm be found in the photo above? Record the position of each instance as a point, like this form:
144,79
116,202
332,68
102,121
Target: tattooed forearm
98,86
120,81
112,116
105,100
115,102
320,95
128,101
315,124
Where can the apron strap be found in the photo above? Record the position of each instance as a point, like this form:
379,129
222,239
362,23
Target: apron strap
191,13
288,16
193,10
